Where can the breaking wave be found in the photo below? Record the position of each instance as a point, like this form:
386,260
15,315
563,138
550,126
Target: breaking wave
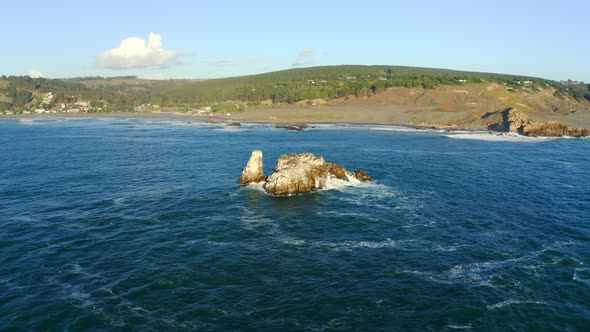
497,137
511,302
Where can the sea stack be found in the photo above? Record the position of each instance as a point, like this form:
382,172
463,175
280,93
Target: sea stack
301,173
254,170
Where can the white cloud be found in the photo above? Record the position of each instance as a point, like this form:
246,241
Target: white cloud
35,74
304,58
138,53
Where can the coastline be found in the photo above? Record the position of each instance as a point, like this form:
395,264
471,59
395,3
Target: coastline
415,117
244,117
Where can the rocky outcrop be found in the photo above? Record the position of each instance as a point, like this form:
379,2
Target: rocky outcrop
254,170
292,126
302,173
362,175
551,128
579,132
297,174
510,120
517,121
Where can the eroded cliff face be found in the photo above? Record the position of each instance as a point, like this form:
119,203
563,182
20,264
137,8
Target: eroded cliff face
299,173
517,121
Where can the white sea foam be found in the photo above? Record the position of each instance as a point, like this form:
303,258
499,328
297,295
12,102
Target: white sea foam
397,129
341,245
459,327
256,186
28,122
480,274
332,183
328,125
230,129
445,249
497,137
512,301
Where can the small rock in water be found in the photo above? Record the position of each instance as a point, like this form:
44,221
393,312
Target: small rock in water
296,127
298,173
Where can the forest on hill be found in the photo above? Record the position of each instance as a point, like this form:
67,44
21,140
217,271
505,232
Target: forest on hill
127,93
332,82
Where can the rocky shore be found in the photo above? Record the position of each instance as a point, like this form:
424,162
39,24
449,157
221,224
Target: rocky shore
517,121
298,173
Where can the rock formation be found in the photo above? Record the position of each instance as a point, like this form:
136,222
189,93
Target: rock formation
551,128
517,121
254,170
296,174
301,173
296,127
362,175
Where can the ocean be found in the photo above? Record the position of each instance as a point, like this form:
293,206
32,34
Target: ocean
139,224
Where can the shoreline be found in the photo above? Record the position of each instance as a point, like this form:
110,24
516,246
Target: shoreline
247,118
229,119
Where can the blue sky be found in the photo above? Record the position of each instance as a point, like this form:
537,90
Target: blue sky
201,39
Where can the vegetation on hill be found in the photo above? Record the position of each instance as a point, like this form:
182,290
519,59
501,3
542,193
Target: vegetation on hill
332,82
22,93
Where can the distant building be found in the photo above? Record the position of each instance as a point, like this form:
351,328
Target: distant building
40,111
462,81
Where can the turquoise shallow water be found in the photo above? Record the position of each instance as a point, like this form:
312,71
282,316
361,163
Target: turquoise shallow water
138,224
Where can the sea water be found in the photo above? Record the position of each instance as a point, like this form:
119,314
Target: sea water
138,224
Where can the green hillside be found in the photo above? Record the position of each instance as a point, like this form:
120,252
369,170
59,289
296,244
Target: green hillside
22,93
332,82
19,93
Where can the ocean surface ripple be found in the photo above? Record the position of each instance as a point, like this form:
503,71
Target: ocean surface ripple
138,224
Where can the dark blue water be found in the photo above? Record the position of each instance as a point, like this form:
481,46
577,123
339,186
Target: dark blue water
138,224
